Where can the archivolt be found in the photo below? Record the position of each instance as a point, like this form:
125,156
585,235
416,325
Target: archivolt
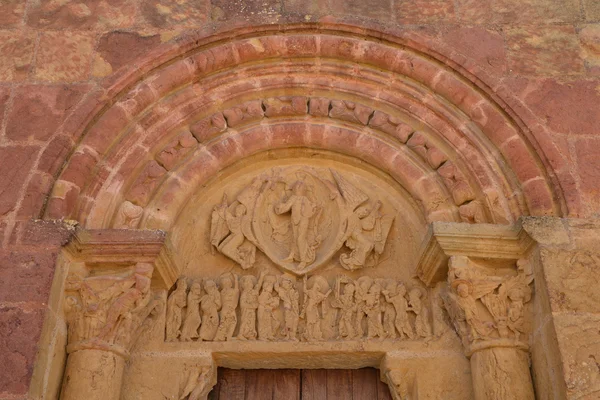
454,148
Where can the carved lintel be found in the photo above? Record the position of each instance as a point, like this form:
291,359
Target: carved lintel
446,239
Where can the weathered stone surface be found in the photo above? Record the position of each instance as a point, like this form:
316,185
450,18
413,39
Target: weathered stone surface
17,54
11,12
592,10
176,14
76,14
38,110
64,57
549,50
484,46
17,161
589,169
424,11
119,48
26,276
378,9
19,332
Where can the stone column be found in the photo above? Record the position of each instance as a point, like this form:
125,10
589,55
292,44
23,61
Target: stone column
109,300
487,296
105,314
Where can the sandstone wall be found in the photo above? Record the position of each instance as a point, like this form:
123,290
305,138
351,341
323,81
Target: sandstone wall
60,59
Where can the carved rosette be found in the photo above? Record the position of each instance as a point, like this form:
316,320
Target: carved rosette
108,312
488,310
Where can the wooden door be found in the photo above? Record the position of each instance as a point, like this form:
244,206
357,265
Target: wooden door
295,384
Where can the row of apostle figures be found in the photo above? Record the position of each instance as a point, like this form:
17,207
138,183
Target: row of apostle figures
269,307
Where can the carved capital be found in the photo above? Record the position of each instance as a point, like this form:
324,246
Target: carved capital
107,312
488,307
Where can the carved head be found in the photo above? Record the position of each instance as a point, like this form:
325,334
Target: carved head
349,289
226,281
210,286
516,294
240,210
287,282
401,289
415,294
196,288
247,282
462,289
299,188
363,211
268,283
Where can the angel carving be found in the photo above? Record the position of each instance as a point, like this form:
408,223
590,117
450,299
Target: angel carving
367,228
231,230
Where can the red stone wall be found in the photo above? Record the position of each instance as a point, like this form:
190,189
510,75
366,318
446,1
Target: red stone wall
58,57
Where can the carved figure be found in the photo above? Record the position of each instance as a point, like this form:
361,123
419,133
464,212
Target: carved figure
129,216
366,235
176,301
248,306
398,299
363,284
192,315
440,326
199,383
290,297
267,303
422,325
345,302
373,311
227,233
313,297
131,301
210,304
230,296
389,312
468,311
303,211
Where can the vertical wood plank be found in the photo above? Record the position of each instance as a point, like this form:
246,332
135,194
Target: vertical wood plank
314,384
287,384
364,384
232,385
339,384
214,393
259,384
383,391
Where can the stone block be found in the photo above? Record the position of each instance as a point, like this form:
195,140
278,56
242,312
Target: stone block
85,15
544,50
20,330
17,54
377,9
11,12
16,164
39,110
64,57
588,165
176,14
118,48
484,46
26,276
424,11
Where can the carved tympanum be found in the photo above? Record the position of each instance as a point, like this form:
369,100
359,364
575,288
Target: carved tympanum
280,308
488,307
108,311
299,217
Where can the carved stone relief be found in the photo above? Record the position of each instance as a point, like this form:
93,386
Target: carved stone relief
300,217
486,307
108,311
283,308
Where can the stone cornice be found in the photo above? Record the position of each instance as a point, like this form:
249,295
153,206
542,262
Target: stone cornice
120,246
446,239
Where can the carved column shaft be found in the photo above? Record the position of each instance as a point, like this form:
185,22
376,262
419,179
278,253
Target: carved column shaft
501,373
93,375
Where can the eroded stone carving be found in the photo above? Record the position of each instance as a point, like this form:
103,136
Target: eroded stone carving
486,307
108,311
199,383
128,216
280,308
299,218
